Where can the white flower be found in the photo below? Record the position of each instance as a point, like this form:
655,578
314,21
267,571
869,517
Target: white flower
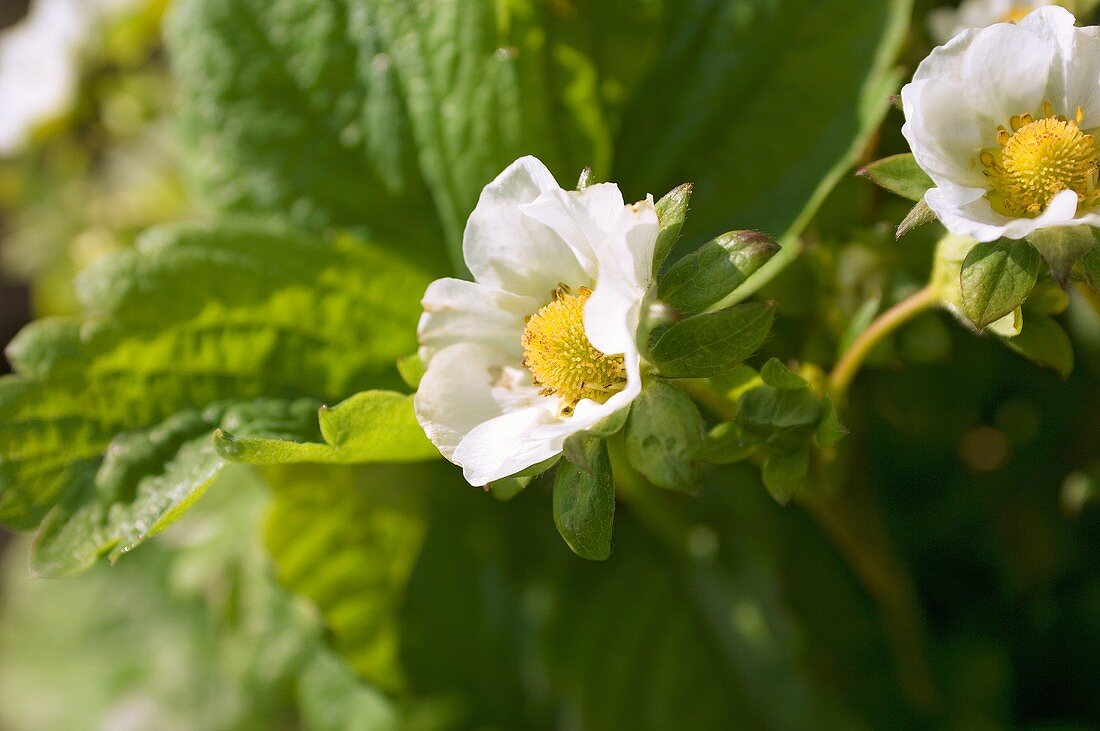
39,63
945,23
1002,119
542,344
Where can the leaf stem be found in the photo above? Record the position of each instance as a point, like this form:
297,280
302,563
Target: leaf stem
890,320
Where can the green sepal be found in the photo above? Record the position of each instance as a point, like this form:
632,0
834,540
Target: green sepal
586,178
918,215
1090,267
509,487
1062,246
996,278
574,447
899,174
714,270
664,437
671,210
777,375
725,445
584,501
711,343
1043,341
829,430
784,472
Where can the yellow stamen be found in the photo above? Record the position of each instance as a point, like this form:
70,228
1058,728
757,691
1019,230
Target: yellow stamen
1015,15
560,357
1040,159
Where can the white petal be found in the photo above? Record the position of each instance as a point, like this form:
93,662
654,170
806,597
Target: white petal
466,385
1075,75
943,131
517,440
458,311
625,272
506,249
977,219
1006,73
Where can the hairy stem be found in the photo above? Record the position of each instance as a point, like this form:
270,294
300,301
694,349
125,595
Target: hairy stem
889,321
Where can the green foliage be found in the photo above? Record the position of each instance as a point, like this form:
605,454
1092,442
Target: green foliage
783,473
664,435
584,501
202,638
1062,246
185,334
373,426
348,539
714,270
899,174
996,278
392,116
780,417
1043,341
712,343
731,107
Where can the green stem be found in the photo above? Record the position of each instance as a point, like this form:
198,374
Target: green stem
849,364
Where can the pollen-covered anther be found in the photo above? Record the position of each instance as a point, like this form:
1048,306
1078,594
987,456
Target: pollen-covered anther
1039,159
562,361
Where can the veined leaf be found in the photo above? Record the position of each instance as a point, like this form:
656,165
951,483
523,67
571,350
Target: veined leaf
584,501
712,343
348,539
731,107
901,175
373,426
664,437
194,317
996,278
392,116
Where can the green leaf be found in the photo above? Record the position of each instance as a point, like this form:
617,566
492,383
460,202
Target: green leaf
775,374
584,502
996,278
348,538
784,472
671,210
732,106
195,316
899,174
147,480
1062,246
1045,342
712,343
373,426
714,270
392,116
664,437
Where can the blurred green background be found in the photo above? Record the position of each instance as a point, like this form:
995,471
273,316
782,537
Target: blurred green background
970,473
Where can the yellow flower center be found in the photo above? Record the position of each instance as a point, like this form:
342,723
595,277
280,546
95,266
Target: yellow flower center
560,357
1016,14
1039,159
